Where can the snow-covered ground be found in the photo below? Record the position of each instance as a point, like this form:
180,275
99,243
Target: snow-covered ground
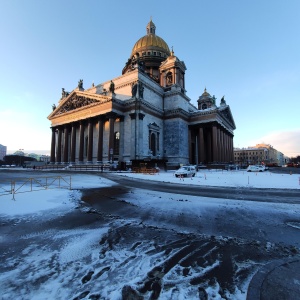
235,178
43,200
71,266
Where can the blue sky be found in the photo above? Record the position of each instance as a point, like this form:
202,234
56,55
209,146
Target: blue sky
248,51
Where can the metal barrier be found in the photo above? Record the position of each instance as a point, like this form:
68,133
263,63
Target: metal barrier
24,185
76,167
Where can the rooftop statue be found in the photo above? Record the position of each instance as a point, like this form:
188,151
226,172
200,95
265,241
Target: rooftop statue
112,87
64,94
214,99
80,83
223,100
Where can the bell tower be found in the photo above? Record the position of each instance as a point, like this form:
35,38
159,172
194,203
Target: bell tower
172,72
206,101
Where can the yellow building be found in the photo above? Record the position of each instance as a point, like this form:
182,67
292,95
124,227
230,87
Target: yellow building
259,154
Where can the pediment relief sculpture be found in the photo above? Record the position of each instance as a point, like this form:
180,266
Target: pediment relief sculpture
75,102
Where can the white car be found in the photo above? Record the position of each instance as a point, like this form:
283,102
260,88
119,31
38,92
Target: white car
256,168
186,171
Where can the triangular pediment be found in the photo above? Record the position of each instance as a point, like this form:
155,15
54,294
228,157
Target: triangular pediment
74,102
227,115
172,61
77,101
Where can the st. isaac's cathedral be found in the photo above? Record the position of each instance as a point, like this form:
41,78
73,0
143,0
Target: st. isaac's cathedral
144,115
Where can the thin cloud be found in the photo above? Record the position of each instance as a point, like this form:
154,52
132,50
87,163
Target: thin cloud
287,142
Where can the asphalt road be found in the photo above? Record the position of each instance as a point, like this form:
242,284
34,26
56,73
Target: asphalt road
236,193
287,196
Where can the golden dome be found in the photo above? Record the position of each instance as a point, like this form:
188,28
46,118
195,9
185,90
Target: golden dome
205,93
150,42
205,96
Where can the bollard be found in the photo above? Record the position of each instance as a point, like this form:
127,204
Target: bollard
13,186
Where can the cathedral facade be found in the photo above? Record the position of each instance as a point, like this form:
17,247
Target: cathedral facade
144,115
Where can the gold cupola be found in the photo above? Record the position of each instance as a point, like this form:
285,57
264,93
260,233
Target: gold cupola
151,43
149,52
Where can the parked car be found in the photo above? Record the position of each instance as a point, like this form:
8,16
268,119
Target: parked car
256,168
186,171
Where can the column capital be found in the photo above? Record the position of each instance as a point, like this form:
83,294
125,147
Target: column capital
82,122
101,118
111,115
141,116
132,116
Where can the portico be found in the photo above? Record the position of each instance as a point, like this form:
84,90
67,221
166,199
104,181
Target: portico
83,141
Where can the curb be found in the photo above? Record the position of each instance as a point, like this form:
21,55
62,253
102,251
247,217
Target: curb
255,286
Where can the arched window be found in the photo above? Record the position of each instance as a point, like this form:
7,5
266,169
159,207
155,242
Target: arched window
154,139
117,143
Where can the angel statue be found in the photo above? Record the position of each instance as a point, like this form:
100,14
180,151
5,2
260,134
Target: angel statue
80,83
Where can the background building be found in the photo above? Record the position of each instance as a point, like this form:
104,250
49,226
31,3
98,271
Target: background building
3,150
259,154
250,156
144,115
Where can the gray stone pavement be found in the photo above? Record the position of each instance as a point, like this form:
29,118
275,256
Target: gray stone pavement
278,280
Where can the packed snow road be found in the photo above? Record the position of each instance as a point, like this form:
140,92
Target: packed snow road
291,196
